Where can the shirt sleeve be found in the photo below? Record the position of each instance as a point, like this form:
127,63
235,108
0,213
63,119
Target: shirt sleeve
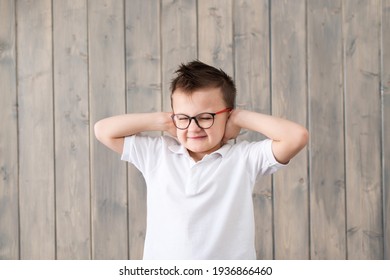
142,151
261,158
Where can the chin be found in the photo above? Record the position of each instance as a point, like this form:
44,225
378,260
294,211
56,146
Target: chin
196,149
202,148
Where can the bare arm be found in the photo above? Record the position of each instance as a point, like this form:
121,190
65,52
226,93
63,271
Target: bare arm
289,137
112,131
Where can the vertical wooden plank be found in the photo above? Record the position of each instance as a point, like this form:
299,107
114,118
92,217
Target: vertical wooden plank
362,128
251,58
179,42
327,184
288,63
107,98
36,156
386,122
215,33
143,73
252,77
71,129
9,212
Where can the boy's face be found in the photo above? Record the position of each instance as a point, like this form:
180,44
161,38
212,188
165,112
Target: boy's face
199,141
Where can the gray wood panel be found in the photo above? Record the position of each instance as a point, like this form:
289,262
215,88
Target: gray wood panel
66,64
362,128
252,76
385,87
215,33
143,72
289,89
36,130
178,41
107,97
71,129
327,176
9,206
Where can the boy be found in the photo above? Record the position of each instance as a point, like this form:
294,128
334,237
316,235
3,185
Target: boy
199,187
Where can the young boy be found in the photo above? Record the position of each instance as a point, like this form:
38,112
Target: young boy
199,187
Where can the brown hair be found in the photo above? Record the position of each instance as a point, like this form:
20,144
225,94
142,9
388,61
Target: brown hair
197,75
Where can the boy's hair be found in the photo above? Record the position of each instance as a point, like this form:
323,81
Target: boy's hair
197,75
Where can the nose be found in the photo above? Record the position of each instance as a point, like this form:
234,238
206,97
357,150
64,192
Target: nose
193,126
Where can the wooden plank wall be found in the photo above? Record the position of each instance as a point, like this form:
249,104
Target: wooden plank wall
64,64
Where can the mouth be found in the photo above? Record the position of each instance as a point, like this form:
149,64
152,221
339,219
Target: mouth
196,137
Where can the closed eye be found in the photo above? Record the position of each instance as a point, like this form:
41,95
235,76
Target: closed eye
182,118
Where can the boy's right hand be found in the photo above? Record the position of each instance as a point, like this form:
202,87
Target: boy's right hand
167,122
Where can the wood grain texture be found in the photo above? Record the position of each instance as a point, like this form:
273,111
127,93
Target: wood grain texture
327,176
252,78
9,199
107,97
362,128
215,34
36,151
66,64
178,41
385,87
71,129
289,87
143,70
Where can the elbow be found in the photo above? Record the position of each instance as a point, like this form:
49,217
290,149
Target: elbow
99,130
104,135
297,143
302,138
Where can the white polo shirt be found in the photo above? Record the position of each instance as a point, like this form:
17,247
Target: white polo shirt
199,210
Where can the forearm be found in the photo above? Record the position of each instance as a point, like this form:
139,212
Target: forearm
289,137
130,124
111,131
272,127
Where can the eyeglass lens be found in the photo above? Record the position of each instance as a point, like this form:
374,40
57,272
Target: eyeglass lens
204,120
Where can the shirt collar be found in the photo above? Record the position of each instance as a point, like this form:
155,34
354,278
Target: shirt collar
179,149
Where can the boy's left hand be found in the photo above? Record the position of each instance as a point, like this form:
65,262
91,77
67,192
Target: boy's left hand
231,129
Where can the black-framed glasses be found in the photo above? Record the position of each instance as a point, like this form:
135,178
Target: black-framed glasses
203,120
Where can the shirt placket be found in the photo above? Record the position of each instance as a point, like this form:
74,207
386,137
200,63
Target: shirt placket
192,186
